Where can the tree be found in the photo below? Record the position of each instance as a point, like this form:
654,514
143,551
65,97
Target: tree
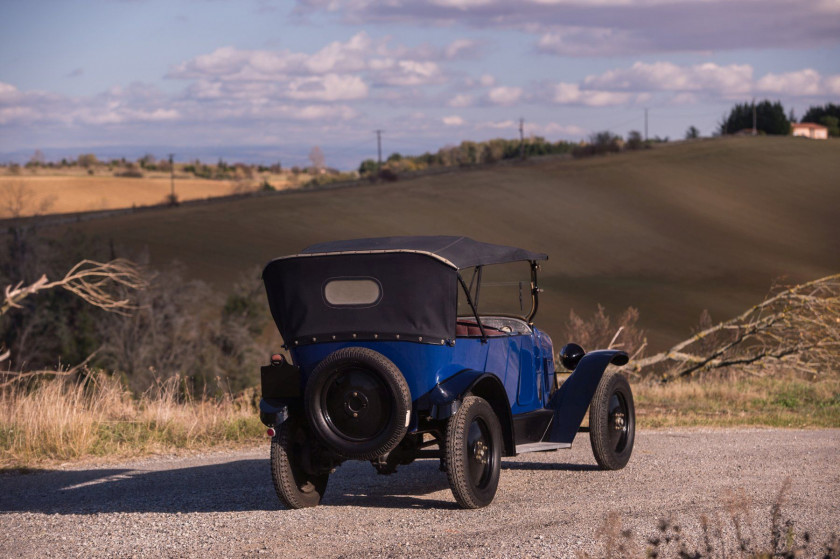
316,156
146,161
832,123
816,114
87,160
37,159
692,133
368,167
634,140
770,118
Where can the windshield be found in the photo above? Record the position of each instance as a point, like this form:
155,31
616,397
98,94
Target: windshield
505,289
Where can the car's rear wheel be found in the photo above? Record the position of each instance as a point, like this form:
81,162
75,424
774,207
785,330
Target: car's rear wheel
291,446
612,422
473,455
358,403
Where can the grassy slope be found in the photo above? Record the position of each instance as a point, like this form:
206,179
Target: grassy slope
671,231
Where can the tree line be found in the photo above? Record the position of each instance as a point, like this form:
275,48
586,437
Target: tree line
770,118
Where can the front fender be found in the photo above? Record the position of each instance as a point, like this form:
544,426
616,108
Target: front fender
572,399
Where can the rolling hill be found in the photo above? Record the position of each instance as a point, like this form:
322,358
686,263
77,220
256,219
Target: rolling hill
673,230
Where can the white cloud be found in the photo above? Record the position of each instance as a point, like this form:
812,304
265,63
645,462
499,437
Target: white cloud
666,76
806,82
832,85
572,94
486,80
688,83
460,101
461,48
554,129
499,125
505,95
618,27
331,87
453,120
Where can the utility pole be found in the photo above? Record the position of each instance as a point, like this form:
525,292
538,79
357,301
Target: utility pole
522,139
172,175
379,146
646,124
755,120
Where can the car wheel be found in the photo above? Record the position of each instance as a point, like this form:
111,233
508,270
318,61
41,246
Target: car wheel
473,453
358,403
612,422
296,488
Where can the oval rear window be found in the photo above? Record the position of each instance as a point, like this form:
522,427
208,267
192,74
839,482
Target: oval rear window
352,292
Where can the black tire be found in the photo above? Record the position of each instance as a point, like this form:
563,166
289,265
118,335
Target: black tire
473,453
612,421
358,403
296,488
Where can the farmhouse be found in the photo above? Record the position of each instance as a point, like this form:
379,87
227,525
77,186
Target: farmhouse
809,130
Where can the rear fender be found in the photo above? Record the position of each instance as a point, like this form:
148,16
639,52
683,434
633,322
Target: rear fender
281,387
572,399
274,411
445,399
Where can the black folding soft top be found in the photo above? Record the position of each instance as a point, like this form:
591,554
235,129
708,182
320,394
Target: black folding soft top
458,252
389,288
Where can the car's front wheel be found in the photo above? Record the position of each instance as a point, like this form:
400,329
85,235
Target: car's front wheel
473,454
612,421
291,446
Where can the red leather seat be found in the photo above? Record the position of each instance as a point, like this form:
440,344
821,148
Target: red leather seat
471,329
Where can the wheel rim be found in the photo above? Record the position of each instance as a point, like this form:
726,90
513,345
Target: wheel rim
480,453
356,404
618,422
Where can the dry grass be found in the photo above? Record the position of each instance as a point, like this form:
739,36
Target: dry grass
84,193
61,419
81,192
781,400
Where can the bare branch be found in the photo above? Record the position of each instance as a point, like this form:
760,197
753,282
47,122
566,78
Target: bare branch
17,377
799,326
102,285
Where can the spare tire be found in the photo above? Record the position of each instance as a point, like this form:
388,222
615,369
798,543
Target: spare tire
358,403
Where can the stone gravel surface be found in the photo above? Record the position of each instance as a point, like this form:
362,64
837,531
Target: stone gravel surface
222,504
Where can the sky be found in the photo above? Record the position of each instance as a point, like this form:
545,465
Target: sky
265,81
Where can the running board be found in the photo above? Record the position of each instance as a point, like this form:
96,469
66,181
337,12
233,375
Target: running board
540,447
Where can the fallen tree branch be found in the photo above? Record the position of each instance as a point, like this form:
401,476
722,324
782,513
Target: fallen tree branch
799,326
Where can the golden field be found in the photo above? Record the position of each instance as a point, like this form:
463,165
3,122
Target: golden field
79,192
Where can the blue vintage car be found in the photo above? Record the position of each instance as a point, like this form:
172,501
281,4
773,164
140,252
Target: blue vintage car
393,360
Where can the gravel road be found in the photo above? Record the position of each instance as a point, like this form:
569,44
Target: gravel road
549,504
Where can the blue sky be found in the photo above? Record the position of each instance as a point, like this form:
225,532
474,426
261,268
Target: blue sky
260,80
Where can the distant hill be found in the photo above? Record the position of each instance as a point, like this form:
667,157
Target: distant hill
674,230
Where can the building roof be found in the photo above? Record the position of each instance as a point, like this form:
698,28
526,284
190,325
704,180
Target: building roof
810,125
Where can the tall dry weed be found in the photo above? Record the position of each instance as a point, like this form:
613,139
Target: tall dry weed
63,418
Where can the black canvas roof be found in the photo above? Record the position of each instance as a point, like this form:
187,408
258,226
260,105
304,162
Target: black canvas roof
457,252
